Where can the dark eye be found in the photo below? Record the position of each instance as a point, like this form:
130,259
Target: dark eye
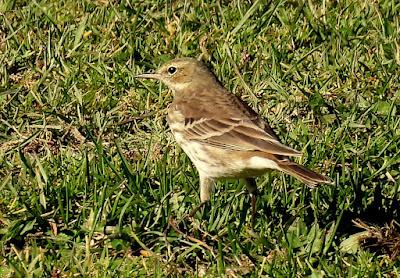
171,70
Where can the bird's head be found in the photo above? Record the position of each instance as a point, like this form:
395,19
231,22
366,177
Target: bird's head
179,74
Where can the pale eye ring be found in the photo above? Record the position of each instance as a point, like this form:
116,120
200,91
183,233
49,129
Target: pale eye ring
171,70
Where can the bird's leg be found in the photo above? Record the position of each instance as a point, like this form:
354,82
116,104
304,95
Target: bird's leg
252,188
206,188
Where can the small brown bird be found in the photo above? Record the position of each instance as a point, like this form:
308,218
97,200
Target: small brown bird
223,136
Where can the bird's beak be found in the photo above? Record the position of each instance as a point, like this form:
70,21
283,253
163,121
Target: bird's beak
149,76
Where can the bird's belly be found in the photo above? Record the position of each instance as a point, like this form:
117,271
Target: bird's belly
215,162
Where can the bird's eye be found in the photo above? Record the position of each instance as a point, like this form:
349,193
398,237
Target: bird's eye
171,70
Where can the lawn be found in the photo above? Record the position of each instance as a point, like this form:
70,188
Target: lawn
90,175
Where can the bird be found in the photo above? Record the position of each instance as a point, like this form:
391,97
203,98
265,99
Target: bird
222,135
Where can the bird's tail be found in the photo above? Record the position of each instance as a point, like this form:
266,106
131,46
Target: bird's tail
307,176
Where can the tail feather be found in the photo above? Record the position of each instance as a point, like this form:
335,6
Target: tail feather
305,175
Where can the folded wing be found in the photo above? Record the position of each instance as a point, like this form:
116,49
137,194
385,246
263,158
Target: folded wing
235,134
225,121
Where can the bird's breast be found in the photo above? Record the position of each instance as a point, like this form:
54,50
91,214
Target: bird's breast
176,122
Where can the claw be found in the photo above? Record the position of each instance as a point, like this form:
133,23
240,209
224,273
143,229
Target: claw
195,209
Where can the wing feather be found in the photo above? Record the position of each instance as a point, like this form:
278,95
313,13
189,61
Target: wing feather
240,136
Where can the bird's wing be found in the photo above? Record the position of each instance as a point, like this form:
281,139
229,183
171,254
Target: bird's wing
235,134
227,122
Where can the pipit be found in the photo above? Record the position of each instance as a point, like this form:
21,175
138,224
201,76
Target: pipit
222,135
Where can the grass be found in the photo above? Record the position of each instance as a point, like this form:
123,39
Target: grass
90,173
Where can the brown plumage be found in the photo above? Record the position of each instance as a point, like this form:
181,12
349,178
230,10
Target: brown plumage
222,135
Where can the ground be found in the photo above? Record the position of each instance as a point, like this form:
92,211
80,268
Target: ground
91,175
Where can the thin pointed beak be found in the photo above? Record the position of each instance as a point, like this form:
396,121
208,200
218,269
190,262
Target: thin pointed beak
149,76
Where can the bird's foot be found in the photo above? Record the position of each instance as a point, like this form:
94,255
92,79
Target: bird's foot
203,205
182,225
